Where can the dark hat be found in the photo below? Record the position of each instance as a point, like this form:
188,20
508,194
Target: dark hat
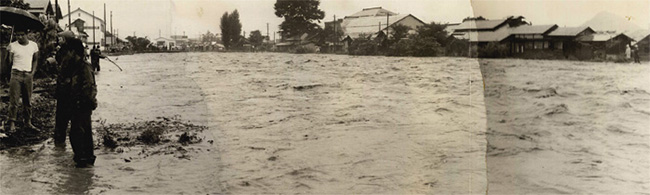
76,46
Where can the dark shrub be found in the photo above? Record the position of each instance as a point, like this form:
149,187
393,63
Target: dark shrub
427,46
493,50
363,46
403,47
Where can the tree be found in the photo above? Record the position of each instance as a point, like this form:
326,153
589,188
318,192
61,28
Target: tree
399,31
256,38
299,16
230,29
139,43
328,35
434,31
15,3
208,37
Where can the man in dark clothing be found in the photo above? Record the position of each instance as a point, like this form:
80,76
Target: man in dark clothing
95,55
635,54
81,101
63,103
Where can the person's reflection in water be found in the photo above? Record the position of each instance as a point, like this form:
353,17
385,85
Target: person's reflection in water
77,181
72,180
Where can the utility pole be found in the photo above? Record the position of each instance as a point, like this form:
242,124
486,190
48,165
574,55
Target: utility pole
336,38
112,35
69,17
93,29
379,26
105,26
387,24
267,30
56,12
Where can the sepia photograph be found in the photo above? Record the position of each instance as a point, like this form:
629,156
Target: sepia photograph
324,97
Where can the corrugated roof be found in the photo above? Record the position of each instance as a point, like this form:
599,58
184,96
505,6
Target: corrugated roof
372,12
367,25
532,29
568,31
479,24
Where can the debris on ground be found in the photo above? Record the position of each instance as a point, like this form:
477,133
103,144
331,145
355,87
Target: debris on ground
307,86
167,136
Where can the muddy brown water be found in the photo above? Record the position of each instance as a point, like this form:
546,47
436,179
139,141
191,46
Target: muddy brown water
278,123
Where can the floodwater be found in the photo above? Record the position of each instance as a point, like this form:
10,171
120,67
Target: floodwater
280,123
563,127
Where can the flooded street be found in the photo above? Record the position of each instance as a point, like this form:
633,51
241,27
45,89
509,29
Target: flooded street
279,123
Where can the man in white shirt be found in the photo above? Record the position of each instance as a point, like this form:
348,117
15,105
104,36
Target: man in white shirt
23,59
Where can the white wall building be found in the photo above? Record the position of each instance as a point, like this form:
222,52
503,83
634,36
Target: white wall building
82,25
164,42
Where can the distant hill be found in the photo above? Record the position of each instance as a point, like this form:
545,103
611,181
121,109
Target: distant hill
606,21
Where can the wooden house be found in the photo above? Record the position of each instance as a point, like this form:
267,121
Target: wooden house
605,45
643,47
564,40
532,41
44,8
288,44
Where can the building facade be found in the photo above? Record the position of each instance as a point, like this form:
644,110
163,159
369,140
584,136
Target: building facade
91,29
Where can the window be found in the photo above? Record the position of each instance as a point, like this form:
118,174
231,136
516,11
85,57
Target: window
538,45
559,45
517,48
545,44
529,45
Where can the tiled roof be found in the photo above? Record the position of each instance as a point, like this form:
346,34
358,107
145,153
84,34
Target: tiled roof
488,36
532,29
479,24
568,31
597,37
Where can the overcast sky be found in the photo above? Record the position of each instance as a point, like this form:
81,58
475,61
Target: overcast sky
194,17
